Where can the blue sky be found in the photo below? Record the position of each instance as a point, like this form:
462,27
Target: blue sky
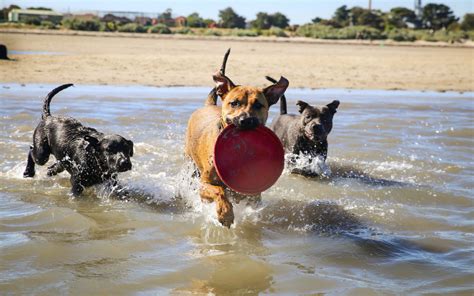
298,11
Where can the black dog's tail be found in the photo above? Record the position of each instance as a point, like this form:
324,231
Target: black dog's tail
50,96
212,96
282,99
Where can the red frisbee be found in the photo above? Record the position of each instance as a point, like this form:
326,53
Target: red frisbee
248,161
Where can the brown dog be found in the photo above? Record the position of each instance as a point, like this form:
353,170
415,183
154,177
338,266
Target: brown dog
244,106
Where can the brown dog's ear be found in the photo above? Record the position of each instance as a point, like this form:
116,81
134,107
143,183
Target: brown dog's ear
276,90
223,84
301,106
333,105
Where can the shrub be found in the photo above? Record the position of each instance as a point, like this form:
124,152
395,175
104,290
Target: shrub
243,33
327,32
212,32
81,25
401,35
441,35
275,31
451,37
183,31
131,28
48,25
31,20
108,26
470,34
159,29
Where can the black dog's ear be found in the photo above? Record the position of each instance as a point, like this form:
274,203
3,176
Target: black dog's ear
301,106
92,140
131,147
333,105
223,84
275,91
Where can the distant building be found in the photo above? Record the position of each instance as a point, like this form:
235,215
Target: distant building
180,21
24,15
143,20
212,25
86,16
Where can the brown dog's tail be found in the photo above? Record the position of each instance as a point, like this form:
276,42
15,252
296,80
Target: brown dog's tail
212,96
49,97
282,99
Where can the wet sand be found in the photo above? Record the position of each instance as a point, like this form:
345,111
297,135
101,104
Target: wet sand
122,60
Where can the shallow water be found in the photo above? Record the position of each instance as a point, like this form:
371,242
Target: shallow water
395,217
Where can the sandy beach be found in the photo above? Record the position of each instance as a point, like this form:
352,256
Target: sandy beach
124,60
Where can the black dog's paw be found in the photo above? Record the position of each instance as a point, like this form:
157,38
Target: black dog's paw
29,173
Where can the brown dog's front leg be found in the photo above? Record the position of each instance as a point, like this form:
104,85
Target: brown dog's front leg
225,213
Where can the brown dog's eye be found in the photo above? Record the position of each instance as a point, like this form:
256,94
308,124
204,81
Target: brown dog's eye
258,105
235,104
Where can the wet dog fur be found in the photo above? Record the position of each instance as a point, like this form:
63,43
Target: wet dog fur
89,156
305,134
244,106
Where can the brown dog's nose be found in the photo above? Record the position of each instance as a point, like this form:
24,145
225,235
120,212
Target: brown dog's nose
247,123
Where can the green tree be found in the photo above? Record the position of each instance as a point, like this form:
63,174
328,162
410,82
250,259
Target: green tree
371,19
266,21
437,16
354,14
166,17
229,19
317,20
280,20
400,17
263,21
194,20
209,21
467,23
39,8
341,16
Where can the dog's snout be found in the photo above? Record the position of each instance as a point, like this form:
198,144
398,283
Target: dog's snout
319,129
124,165
248,122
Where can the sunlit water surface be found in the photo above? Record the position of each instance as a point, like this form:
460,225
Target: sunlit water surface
395,217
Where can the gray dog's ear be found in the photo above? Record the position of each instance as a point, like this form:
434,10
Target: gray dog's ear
301,106
223,84
276,90
333,105
131,147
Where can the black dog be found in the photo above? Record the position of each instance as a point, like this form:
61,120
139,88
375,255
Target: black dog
305,134
89,156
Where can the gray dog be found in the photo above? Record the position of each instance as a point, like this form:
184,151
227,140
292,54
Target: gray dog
305,135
